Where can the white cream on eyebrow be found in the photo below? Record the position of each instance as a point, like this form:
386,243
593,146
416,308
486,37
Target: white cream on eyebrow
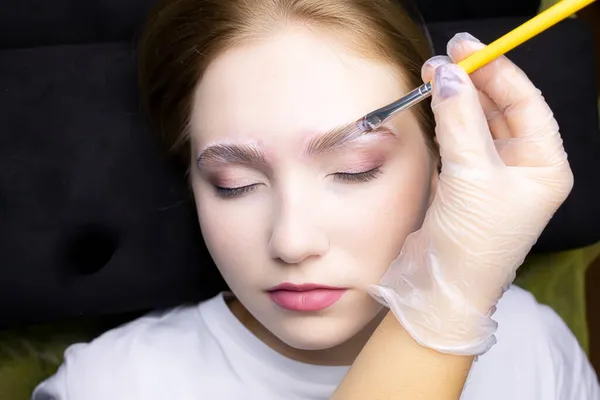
230,141
231,151
357,138
340,137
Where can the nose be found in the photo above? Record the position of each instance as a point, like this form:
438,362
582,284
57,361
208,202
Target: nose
296,234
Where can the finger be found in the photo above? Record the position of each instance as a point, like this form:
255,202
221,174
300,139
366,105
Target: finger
500,79
428,69
525,111
461,127
527,151
495,117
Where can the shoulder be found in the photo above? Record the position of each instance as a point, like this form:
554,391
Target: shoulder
127,362
535,347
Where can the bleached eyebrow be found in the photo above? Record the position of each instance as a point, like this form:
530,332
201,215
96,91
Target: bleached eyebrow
339,136
231,154
234,153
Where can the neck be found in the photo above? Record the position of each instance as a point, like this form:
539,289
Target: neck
342,354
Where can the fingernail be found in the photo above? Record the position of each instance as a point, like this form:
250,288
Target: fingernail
465,37
447,81
436,61
461,38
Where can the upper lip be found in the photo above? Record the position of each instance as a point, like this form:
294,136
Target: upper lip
305,287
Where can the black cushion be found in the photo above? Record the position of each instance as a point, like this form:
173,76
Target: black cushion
93,220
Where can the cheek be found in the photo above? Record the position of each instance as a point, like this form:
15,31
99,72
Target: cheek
233,235
375,222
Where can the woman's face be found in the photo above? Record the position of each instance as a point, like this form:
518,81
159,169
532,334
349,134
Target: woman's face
281,202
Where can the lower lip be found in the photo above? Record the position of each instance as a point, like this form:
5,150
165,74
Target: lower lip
309,300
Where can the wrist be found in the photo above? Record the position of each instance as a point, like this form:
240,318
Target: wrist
447,329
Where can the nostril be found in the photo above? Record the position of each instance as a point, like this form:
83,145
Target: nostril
89,248
294,248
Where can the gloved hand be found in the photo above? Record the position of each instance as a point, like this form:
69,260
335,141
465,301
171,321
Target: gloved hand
504,174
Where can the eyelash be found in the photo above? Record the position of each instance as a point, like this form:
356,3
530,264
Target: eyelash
228,193
366,176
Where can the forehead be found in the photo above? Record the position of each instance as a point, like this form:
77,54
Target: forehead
287,87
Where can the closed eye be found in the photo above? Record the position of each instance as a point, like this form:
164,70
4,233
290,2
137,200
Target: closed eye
365,176
350,177
229,193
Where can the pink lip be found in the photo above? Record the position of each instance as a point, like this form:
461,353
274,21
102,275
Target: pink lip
306,297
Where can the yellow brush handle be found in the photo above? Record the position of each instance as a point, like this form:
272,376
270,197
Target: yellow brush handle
517,36
529,29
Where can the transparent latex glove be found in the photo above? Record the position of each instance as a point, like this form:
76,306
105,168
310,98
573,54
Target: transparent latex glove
504,174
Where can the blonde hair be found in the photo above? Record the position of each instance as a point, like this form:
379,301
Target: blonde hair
182,37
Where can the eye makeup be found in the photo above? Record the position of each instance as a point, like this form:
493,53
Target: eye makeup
352,165
232,191
356,159
343,177
237,169
232,180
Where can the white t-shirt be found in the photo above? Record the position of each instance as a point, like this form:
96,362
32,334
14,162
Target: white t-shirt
204,353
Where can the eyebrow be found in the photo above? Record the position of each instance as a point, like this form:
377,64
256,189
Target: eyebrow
251,154
338,137
231,153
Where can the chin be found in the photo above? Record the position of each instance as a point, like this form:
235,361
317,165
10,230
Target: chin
319,332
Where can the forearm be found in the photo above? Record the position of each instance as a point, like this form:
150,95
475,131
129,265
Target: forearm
393,366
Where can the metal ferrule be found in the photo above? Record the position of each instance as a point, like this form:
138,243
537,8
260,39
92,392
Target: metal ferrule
376,118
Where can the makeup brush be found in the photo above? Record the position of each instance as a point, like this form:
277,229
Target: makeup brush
514,38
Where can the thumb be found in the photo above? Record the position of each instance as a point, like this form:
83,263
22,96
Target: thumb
461,127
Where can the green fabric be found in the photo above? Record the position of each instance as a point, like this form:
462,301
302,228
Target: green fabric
558,280
29,355
544,4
